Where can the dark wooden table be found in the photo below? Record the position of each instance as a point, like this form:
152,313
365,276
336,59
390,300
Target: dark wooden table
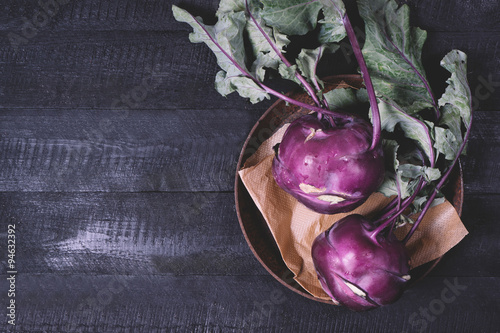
117,163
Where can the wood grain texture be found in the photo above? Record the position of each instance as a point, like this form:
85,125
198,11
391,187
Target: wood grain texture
162,70
454,15
117,162
150,303
146,150
154,150
156,233
480,246
480,166
181,234
102,15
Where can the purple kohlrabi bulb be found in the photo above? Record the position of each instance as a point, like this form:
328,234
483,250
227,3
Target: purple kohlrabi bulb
328,165
359,268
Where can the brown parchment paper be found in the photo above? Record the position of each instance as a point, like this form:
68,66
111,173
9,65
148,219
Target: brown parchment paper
295,227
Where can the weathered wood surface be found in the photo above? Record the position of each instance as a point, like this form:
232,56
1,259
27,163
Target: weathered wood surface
454,15
117,162
158,150
162,70
181,234
161,303
142,150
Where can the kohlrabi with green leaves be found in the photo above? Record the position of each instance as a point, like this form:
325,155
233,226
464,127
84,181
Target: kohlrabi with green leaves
404,144
359,262
341,157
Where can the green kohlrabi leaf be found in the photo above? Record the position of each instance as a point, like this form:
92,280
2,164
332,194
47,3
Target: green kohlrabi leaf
264,56
393,184
362,95
422,199
308,60
457,93
446,142
245,86
226,33
292,17
288,72
332,26
455,106
344,98
450,117
388,187
331,32
227,40
391,114
414,171
457,99
334,11
403,178
231,6
262,62
392,52
263,52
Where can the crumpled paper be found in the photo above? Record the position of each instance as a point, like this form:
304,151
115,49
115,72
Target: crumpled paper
295,227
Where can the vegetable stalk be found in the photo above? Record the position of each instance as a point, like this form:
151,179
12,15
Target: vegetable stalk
367,79
441,183
267,89
299,77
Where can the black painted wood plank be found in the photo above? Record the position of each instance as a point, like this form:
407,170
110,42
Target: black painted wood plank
476,254
155,150
480,165
162,70
452,15
455,15
146,150
89,70
180,233
97,15
72,303
90,233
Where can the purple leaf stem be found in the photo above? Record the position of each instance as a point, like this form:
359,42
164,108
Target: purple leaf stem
441,183
398,210
266,88
302,80
420,75
367,79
